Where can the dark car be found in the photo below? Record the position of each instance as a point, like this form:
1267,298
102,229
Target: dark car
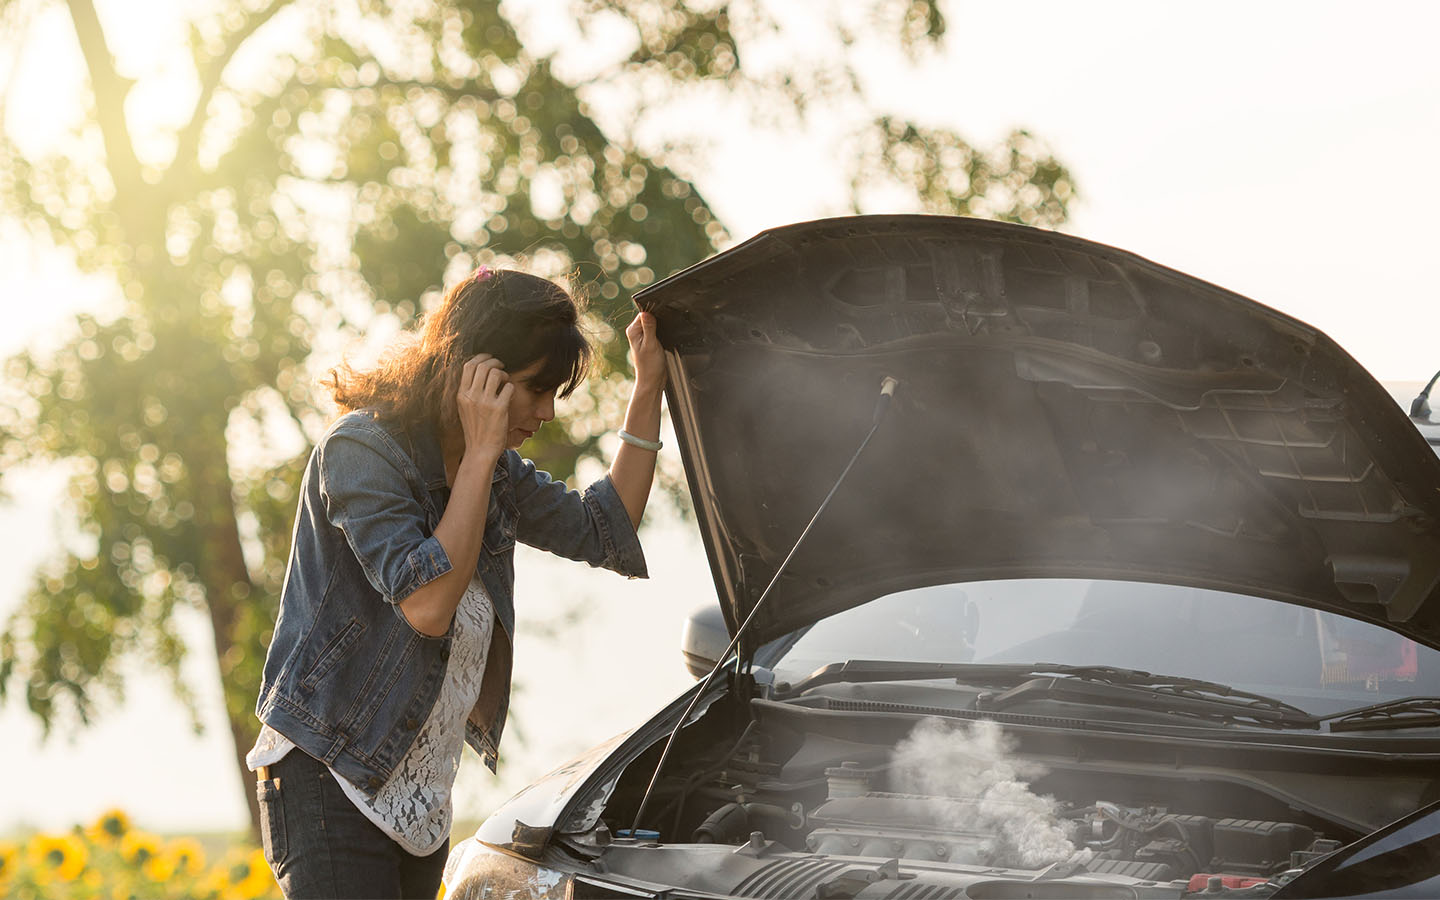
1134,591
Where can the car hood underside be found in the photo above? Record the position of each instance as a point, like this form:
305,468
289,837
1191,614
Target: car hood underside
1064,410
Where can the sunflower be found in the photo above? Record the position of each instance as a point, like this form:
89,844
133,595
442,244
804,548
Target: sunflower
9,861
158,869
138,847
57,857
112,825
251,876
185,856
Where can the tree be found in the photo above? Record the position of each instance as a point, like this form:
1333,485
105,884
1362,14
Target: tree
338,158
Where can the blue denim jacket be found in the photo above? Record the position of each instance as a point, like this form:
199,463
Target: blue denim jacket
347,678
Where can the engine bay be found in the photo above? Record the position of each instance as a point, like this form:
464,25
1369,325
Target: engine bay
785,799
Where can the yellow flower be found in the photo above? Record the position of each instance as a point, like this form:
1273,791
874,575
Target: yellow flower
112,825
59,857
158,869
9,860
257,880
185,856
138,847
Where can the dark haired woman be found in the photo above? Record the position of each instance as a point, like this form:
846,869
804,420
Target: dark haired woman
393,644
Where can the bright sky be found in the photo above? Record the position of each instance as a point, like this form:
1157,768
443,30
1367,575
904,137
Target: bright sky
1280,150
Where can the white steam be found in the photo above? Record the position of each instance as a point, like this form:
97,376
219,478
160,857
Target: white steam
976,766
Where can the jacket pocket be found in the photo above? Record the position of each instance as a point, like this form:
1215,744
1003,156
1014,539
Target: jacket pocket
498,542
333,651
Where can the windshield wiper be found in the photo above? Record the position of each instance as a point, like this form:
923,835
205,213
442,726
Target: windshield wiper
1407,712
1159,693
862,670
1086,684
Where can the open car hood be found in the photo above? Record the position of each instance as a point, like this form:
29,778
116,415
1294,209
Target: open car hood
1065,409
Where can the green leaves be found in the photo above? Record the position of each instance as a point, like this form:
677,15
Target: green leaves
1016,181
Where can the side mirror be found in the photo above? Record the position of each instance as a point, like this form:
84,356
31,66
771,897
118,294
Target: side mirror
1420,406
704,639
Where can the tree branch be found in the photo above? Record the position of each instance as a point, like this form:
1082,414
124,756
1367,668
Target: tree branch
109,91
214,70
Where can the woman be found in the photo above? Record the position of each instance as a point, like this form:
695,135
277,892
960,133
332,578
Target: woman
393,644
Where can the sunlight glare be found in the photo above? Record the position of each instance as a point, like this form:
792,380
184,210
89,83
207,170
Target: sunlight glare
44,96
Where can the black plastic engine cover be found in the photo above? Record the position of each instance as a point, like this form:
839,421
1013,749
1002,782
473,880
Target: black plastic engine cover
1231,846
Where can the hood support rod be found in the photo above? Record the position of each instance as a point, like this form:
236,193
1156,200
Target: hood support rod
887,391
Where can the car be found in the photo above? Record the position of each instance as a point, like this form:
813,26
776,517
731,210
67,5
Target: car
1042,571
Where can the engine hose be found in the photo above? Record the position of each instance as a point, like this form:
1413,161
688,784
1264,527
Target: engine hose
733,822
728,823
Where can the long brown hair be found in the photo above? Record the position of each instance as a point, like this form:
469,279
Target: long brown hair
518,318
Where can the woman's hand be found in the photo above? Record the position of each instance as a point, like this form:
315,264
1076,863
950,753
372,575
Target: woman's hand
484,404
647,353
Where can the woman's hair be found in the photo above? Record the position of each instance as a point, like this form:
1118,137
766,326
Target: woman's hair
519,319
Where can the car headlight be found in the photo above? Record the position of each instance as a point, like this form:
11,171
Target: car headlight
475,870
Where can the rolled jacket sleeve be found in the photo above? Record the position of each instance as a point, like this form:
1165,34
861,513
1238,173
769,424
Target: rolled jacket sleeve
370,498
591,527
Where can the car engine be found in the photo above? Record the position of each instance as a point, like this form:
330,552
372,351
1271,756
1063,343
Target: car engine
809,804
1147,843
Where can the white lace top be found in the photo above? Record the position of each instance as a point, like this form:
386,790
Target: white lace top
414,807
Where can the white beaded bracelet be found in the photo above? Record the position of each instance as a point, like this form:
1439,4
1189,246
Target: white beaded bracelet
640,442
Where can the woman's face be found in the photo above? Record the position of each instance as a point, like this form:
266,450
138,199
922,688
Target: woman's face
529,408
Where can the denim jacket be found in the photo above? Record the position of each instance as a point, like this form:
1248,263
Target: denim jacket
347,678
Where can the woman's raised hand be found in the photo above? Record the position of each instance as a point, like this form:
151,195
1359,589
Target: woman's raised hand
646,351
484,405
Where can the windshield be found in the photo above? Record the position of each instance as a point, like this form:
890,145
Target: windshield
1318,661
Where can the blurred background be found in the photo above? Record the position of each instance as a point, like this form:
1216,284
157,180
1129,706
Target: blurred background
204,205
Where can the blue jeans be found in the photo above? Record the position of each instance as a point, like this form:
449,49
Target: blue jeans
319,845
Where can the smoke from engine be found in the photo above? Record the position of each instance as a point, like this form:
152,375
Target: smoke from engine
976,765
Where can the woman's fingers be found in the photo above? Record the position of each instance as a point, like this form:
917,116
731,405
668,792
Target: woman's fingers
641,331
649,355
495,381
475,370
642,335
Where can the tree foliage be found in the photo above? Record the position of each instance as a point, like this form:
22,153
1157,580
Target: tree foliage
340,158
